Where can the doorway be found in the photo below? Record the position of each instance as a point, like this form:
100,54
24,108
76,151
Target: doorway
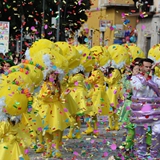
148,45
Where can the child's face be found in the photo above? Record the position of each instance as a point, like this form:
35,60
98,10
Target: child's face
136,70
52,77
6,67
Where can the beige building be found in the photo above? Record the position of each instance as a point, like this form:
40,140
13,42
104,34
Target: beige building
106,21
148,26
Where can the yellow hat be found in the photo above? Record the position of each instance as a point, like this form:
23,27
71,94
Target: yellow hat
39,45
102,56
119,55
86,59
51,60
34,72
70,53
17,78
154,53
15,99
157,72
135,52
128,44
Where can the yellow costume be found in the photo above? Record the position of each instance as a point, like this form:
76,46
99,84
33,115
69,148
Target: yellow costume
79,93
68,101
99,98
114,94
32,121
10,147
98,94
82,103
13,102
57,118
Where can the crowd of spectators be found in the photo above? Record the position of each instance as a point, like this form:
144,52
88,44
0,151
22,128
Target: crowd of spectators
8,60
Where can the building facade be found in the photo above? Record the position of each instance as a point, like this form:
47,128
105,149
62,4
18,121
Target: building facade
108,22
149,26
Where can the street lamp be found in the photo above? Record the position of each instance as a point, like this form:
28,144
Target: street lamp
42,29
21,42
58,20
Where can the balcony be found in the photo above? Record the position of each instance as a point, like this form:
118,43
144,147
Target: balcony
117,3
144,12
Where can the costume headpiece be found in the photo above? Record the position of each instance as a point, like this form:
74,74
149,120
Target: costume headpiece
119,55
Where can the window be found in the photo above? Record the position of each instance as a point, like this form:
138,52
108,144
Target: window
148,44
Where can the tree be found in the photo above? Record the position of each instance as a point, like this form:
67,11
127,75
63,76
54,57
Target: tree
28,14
73,15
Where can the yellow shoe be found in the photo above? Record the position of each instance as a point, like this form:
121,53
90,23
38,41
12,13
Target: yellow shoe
40,148
88,131
116,128
48,154
96,133
67,137
58,154
78,135
32,146
110,128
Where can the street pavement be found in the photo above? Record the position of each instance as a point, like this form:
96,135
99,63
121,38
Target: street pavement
101,147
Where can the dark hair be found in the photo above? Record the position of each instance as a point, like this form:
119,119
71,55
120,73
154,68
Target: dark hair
109,71
146,60
80,72
132,66
56,81
137,60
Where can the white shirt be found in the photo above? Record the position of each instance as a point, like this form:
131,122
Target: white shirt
140,90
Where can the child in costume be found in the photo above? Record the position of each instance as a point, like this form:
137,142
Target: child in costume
99,98
120,58
125,113
56,118
10,115
77,90
114,94
97,89
10,148
79,94
32,119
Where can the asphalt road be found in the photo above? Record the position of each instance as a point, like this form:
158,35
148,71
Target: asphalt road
90,147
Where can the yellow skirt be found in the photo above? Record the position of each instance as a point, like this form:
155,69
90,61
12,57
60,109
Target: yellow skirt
32,121
100,102
12,151
82,100
69,103
114,94
57,117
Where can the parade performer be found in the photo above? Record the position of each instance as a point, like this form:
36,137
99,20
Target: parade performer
119,56
99,98
113,79
97,91
125,112
145,109
32,119
21,75
10,115
56,118
133,69
77,89
79,94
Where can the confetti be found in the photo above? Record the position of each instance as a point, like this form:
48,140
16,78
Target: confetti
113,146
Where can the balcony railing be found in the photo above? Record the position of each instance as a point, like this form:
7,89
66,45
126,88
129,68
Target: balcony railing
110,3
143,12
